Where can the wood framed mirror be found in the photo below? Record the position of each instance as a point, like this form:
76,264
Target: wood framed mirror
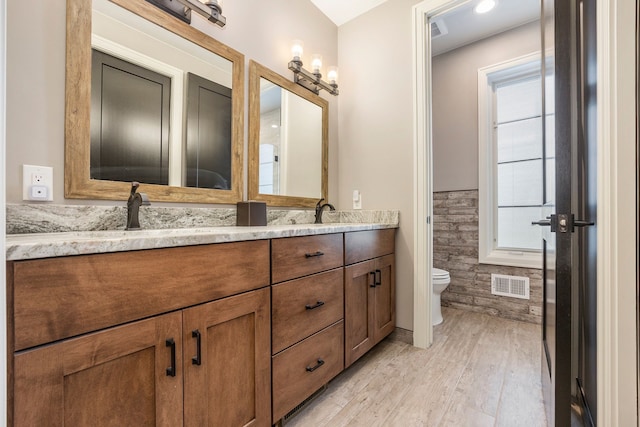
177,181
288,141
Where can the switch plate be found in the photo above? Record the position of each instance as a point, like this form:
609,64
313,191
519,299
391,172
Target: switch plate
357,200
37,183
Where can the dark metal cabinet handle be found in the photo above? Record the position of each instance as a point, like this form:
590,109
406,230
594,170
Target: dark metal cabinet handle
313,368
373,283
198,359
317,304
378,277
171,370
543,222
315,254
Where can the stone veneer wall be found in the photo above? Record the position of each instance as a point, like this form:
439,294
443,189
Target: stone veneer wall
455,249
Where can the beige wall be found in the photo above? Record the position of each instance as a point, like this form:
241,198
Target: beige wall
262,31
455,103
376,126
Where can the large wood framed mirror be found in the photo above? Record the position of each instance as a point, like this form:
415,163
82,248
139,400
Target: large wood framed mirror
288,141
166,106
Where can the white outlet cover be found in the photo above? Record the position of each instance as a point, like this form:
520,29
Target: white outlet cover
46,172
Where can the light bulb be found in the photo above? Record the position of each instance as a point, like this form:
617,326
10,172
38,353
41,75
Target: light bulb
332,75
316,63
484,6
297,48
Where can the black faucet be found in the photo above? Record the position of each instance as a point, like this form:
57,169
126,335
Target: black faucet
319,208
133,206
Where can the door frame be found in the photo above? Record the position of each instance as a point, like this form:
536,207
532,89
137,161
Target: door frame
422,168
617,310
616,320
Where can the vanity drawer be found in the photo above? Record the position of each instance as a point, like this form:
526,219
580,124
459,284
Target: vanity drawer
57,298
295,257
304,306
298,372
364,245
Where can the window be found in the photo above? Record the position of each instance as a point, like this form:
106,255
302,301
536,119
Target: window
510,162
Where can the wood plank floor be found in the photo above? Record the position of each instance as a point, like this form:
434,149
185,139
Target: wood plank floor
480,371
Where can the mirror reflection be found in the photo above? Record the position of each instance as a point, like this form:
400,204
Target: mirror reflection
288,141
163,106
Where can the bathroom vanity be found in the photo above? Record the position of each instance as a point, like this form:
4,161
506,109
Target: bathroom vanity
231,326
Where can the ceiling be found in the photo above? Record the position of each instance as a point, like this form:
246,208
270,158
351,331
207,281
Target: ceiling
341,11
463,25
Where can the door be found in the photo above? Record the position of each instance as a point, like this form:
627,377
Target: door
568,329
122,376
227,362
359,286
384,297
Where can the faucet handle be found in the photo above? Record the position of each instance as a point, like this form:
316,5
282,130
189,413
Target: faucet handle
319,203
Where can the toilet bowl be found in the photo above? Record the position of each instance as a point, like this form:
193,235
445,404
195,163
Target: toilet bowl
441,280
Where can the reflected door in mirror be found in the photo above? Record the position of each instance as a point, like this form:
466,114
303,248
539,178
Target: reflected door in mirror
129,122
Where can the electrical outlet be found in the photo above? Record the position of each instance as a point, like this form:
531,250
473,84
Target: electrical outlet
37,183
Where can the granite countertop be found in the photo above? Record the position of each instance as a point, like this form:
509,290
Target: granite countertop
47,245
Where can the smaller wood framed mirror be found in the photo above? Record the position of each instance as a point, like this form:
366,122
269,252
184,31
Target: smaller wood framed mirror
288,141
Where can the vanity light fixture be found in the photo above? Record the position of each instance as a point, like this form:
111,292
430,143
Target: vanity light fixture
312,80
210,9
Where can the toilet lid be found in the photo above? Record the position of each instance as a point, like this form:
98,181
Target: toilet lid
439,274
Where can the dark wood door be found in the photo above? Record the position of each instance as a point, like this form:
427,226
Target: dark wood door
384,302
124,376
359,288
227,362
568,329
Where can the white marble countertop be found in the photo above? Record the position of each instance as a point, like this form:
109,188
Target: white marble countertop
48,245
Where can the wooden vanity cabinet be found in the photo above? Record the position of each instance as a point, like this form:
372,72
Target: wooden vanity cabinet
207,363
307,317
119,376
369,290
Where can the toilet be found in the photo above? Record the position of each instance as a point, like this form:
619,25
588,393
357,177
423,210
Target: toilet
441,280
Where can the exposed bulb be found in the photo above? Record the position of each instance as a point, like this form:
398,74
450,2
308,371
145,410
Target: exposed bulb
332,75
316,63
297,47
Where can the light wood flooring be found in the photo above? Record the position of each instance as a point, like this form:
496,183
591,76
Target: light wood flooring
480,371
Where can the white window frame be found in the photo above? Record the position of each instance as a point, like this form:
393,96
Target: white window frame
487,165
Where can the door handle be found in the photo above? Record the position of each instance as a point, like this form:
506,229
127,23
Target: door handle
171,370
197,360
542,222
378,277
373,274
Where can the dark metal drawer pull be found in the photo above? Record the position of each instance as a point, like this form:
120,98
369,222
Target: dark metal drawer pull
373,283
198,359
378,277
171,370
315,254
313,368
311,307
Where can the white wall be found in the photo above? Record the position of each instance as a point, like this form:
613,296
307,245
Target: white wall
455,103
262,31
376,130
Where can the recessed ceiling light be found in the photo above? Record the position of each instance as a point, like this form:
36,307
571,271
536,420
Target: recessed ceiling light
484,6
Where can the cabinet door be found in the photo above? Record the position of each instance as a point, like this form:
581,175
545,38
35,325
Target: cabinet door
122,376
227,362
385,306
359,289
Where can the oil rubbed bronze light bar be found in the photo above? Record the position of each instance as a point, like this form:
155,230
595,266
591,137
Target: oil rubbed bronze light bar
312,80
210,9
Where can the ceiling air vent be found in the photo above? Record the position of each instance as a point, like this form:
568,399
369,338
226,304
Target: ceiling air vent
438,28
